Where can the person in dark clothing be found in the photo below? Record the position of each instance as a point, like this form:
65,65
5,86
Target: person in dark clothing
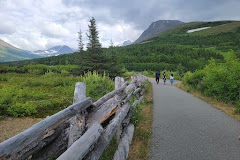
157,76
164,77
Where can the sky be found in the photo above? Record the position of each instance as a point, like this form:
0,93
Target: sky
41,24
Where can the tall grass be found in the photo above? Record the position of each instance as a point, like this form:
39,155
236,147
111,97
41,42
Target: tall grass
42,95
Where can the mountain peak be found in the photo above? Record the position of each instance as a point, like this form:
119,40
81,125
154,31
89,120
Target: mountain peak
126,43
55,51
158,27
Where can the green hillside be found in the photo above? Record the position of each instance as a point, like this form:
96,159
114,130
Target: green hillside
223,35
174,49
11,53
175,46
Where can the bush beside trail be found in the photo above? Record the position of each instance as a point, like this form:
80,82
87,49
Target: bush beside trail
218,80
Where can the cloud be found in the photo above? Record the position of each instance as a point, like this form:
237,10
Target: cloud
34,25
54,30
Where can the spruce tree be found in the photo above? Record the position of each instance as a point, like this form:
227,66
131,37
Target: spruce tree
80,43
95,58
115,68
81,56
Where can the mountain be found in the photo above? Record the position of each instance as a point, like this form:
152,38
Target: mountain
126,43
54,51
158,27
174,49
11,53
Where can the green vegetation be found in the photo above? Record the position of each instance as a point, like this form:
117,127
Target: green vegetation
173,51
10,53
139,148
40,93
162,52
142,120
218,80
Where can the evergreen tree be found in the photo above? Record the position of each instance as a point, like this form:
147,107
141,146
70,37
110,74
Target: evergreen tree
80,43
115,68
95,59
81,57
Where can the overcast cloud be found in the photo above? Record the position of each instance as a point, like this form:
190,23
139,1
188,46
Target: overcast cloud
34,25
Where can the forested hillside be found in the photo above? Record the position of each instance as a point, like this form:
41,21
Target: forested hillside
171,50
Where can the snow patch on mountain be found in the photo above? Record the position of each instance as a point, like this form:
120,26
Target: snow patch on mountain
197,29
54,51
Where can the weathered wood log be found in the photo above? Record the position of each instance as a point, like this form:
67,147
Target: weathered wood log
127,98
136,91
140,100
124,144
54,148
77,123
135,103
103,112
108,134
127,118
143,92
109,95
81,147
34,149
119,81
18,142
129,88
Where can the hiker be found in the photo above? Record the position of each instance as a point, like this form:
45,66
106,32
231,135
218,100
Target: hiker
164,77
171,79
157,76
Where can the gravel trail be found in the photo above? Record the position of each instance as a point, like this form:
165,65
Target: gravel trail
187,128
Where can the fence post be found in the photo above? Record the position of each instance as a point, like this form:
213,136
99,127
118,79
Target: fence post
77,123
119,81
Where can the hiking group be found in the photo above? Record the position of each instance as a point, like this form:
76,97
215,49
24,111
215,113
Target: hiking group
164,77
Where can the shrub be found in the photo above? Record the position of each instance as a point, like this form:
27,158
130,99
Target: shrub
219,80
97,85
42,95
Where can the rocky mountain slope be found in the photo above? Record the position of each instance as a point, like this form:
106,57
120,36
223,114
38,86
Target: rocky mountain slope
54,51
158,27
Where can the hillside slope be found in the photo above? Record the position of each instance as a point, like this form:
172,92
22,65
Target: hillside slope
173,50
221,36
11,53
157,27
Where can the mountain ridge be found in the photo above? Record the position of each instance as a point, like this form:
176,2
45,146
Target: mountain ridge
9,52
54,51
158,27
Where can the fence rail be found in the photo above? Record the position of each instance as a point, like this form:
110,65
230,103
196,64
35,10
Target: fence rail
77,132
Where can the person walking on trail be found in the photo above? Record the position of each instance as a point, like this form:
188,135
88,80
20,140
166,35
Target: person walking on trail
157,76
164,77
171,79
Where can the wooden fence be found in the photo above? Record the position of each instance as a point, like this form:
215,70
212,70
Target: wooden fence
77,132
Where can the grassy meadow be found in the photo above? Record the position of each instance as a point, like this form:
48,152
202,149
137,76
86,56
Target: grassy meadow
29,94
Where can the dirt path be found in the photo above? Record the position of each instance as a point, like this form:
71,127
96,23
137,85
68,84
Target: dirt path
10,127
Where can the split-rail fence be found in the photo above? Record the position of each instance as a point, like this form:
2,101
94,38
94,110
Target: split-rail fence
82,130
